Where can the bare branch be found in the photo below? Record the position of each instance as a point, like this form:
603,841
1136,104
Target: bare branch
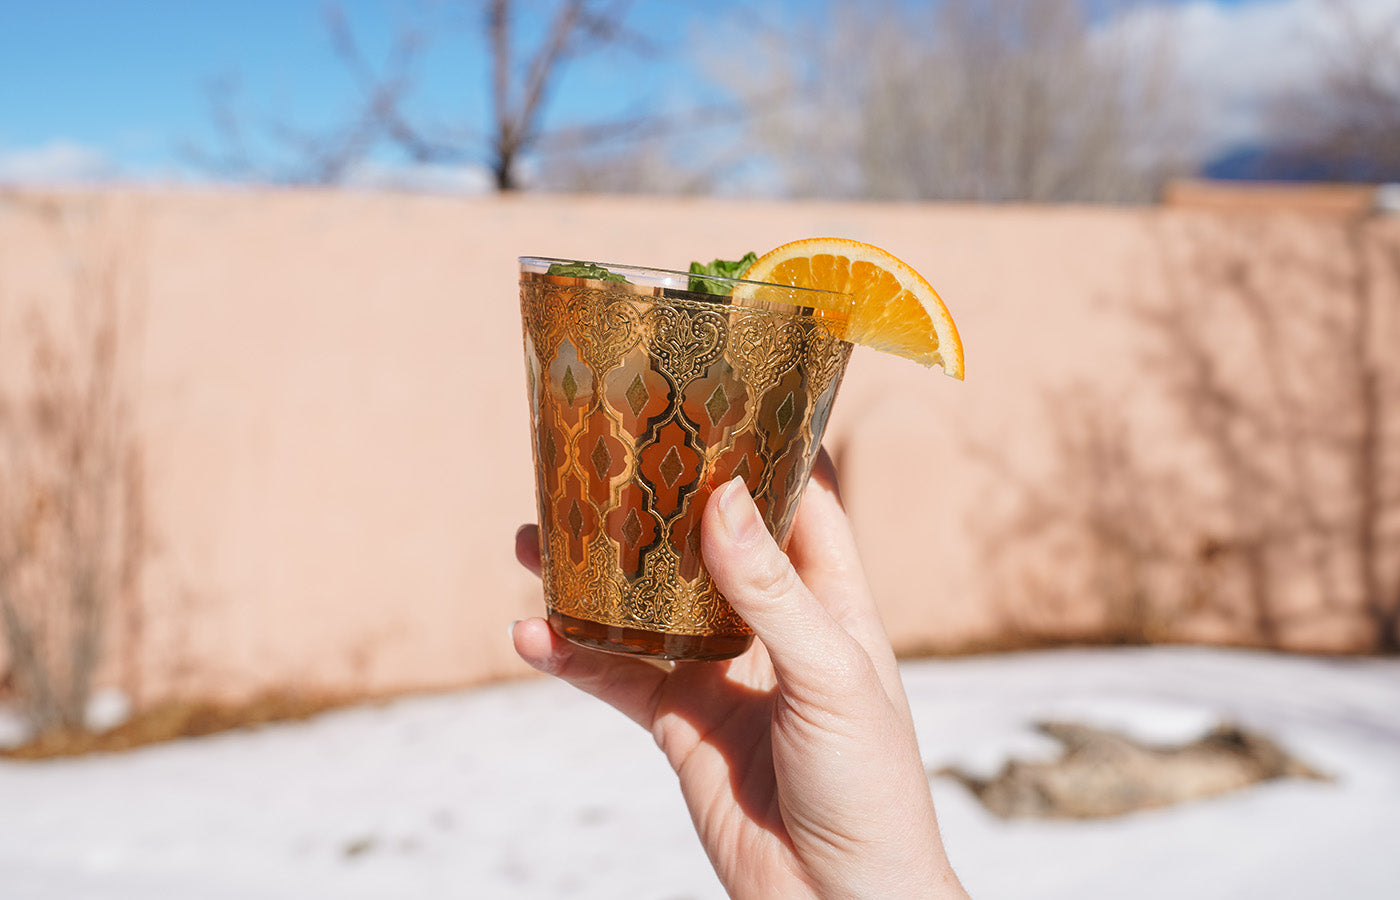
65,444
381,124
1344,125
991,100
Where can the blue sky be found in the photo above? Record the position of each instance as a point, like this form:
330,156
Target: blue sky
109,71
125,77
126,80
114,89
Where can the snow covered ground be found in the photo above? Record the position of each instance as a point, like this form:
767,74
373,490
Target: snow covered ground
530,790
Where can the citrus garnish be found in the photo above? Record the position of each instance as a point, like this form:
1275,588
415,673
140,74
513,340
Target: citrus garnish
896,310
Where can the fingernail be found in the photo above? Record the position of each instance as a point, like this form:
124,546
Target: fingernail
738,513
510,629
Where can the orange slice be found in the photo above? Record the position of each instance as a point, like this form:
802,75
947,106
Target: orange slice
896,310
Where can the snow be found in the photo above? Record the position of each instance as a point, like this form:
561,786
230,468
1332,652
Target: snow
531,790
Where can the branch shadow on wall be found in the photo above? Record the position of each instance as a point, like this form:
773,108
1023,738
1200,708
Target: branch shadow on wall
1244,488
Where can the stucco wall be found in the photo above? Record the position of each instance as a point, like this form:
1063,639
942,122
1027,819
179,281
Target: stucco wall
328,393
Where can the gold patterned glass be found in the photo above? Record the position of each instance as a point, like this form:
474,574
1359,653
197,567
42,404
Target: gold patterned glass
646,396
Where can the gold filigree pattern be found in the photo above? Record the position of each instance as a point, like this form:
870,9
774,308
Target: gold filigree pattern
644,401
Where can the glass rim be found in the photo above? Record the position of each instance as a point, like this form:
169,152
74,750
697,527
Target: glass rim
544,262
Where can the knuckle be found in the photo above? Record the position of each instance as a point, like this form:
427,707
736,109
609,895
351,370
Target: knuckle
773,578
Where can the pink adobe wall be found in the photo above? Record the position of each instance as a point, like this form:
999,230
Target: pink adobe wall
329,392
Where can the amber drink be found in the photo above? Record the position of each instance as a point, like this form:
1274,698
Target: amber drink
649,389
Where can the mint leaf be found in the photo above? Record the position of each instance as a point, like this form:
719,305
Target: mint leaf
584,270
720,268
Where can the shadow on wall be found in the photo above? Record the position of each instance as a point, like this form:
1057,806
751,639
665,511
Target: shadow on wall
1267,510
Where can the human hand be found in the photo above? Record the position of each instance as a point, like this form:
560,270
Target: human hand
798,760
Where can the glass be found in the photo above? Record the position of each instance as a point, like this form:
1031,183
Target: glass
647,394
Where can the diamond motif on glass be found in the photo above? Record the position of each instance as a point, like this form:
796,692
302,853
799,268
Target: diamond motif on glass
671,467
717,405
632,528
637,395
575,520
602,459
784,412
649,377
570,384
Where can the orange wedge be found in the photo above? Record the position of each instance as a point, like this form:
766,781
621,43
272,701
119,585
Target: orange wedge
896,310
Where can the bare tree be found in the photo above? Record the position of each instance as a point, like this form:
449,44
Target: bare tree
524,77
70,506
988,100
518,93
1344,125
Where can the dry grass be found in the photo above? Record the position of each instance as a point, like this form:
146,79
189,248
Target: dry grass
177,719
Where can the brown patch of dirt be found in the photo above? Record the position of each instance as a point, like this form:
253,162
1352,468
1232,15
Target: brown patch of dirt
176,719
1103,774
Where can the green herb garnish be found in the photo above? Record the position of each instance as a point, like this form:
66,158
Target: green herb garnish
720,268
584,270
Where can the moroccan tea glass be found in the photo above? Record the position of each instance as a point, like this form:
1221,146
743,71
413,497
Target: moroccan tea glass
648,391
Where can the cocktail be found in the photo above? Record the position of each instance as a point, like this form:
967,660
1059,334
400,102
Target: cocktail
649,389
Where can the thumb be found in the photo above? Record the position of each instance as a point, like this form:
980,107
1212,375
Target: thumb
806,644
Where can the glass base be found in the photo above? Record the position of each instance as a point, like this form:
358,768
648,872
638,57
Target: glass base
652,644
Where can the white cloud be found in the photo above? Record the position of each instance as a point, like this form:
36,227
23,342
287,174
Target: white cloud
66,162
1234,59
422,178
56,162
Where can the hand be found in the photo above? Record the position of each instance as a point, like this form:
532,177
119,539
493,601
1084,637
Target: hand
798,759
